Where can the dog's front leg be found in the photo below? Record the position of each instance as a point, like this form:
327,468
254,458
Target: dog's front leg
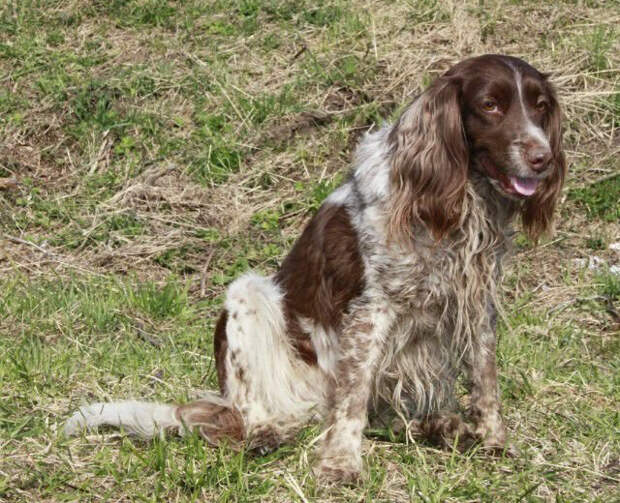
361,345
485,400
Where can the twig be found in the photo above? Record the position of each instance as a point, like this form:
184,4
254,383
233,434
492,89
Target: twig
232,104
8,183
611,309
203,274
145,336
605,178
28,243
294,485
299,52
50,255
374,38
104,144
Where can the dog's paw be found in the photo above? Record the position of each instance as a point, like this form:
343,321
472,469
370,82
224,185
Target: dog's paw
339,470
492,436
499,449
447,430
330,475
493,442
264,440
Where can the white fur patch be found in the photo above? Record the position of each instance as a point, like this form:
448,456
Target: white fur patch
341,196
139,418
325,344
273,381
372,169
531,129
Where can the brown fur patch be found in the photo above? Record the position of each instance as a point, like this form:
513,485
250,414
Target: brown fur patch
220,346
446,428
429,164
215,422
301,341
321,275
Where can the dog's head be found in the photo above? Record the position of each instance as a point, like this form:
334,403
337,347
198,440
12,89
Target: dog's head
492,114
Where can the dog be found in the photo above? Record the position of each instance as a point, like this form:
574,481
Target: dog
390,293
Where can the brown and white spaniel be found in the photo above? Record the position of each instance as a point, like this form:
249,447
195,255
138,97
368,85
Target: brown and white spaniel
391,290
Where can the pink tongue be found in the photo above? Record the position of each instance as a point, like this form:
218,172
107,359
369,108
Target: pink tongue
524,186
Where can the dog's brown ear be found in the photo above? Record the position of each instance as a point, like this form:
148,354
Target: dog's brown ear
429,163
538,210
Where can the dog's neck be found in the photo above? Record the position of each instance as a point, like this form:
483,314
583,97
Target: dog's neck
499,207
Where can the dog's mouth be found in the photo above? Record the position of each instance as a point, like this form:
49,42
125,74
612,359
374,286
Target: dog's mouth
522,186
518,186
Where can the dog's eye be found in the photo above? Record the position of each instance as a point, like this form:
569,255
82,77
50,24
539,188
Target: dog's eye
489,106
542,105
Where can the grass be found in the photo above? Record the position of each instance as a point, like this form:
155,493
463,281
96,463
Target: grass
600,198
162,148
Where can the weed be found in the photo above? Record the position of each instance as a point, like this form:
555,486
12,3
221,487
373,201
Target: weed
601,41
609,285
595,243
600,199
159,301
219,162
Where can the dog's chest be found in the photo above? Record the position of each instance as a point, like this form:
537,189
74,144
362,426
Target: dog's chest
435,285
445,285
421,281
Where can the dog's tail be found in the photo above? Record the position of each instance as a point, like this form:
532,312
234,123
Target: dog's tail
212,416
139,418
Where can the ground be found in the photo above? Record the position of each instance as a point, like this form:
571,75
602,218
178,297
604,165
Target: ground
151,151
